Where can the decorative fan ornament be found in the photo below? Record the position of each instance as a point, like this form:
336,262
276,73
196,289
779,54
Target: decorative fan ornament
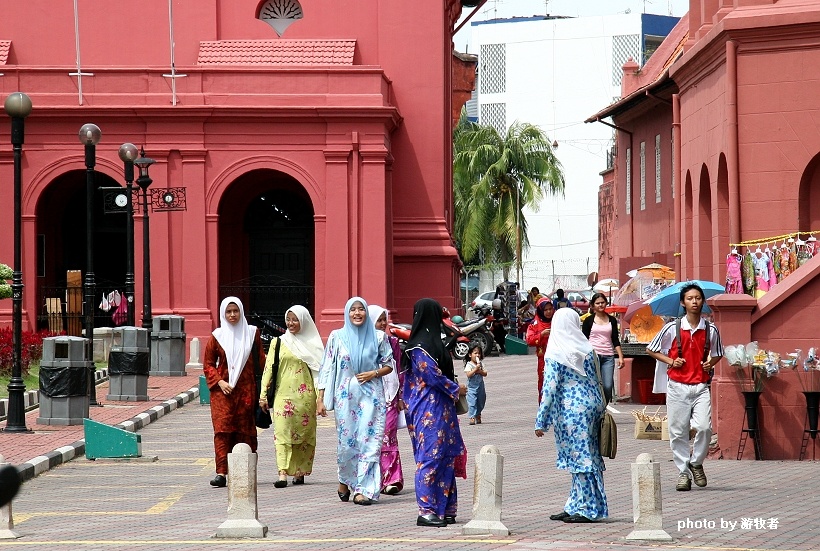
279,14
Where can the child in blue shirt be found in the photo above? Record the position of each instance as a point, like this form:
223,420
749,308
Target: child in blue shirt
476,395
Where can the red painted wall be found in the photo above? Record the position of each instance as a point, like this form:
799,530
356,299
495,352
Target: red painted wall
369,144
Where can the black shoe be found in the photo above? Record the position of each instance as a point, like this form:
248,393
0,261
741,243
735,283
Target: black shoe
280,484
576,518
449,519
560,516
298,480
219,481
431,520
359,499
344,496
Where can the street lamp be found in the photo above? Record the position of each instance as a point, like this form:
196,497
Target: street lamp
89,136
18,107
143,182
128,153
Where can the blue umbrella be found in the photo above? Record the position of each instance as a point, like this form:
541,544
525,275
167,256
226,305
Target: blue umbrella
667,302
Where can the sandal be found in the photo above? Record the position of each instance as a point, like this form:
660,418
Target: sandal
280,484
344,496
359,499
298,480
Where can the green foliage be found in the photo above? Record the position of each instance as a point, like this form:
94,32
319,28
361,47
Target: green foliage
5,274
494,178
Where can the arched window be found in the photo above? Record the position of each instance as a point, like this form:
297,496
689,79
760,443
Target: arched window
279,14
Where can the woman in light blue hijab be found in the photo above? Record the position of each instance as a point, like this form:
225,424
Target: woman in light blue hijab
350,384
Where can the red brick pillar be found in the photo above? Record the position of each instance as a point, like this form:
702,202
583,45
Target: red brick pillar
733,319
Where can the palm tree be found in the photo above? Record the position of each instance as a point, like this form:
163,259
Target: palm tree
494,178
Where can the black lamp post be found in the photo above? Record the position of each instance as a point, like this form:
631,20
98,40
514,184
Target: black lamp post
89,136
128,153
143,182
18,107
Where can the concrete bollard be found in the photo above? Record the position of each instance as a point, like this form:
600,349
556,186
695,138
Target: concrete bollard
6,517
487,492
243,512
647,506
193,360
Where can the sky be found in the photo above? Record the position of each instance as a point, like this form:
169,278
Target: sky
523,8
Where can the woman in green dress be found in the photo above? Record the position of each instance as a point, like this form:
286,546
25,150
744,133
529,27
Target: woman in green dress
294,395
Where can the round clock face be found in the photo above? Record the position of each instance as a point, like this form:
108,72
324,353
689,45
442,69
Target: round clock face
121,200
168,198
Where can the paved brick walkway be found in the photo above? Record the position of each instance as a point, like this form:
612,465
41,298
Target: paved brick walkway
140,505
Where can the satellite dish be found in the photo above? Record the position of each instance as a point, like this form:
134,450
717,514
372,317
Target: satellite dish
592,279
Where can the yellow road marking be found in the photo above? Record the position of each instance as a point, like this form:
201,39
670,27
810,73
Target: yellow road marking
166,503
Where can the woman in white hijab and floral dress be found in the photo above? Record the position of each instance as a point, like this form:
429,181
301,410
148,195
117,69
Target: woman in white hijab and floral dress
229,373
573,405
294,395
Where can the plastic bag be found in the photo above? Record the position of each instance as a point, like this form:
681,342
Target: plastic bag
736,355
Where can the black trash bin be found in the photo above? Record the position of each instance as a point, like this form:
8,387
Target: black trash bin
129,364
64,381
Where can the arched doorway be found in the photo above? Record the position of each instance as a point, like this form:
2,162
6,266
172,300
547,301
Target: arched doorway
706,263
61,246
808,197
266,244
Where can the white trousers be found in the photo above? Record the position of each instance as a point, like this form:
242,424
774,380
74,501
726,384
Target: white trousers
688,406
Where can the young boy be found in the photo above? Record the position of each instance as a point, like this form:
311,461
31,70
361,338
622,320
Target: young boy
688,365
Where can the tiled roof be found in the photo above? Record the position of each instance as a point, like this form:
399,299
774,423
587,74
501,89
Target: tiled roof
4,51
276,52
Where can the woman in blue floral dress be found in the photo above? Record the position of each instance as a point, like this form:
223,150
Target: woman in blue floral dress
430,395
572,404
350,385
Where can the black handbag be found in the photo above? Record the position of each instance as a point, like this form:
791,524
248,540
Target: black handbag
262,418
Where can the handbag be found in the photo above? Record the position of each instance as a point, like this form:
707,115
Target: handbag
263,419
608,437
461,405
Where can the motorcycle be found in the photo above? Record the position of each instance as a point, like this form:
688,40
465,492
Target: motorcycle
267,328
455,341
493,319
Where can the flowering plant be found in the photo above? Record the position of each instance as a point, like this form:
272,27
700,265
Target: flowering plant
31,348
6,273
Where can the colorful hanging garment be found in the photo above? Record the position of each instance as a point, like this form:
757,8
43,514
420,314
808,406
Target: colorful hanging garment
747,269
733,280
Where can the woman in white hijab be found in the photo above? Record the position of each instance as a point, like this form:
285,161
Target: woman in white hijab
392,477
294,395
231,357
573,405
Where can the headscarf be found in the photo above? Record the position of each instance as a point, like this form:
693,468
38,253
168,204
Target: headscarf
426,333
236,340
391,380
567,344
539,310
306,344
360,341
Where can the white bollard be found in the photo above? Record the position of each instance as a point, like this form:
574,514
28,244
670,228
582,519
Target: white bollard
647,506
243,512
487,492
6,517
193,361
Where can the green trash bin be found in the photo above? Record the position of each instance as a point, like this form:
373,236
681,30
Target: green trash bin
516,346
204,391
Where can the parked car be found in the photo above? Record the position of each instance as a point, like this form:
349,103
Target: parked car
486,299
579,298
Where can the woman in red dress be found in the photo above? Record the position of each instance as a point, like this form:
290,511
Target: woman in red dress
538,334
231,356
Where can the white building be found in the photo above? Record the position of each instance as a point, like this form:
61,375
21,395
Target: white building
554,72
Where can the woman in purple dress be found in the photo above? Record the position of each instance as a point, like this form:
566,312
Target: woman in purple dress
430,395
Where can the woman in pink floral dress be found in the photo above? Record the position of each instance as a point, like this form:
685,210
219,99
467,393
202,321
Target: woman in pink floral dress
294,398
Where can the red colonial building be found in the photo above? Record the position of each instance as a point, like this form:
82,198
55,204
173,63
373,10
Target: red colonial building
311,140
718,146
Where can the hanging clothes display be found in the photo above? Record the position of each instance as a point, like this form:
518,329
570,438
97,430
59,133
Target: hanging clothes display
747,270
733,280
786,262
803,252
761,264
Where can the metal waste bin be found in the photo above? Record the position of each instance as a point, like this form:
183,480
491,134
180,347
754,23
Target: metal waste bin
129,364
168,346
64,373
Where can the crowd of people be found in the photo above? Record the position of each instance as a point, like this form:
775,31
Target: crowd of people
373,389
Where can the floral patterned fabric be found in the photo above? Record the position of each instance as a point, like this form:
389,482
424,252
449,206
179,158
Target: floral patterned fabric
360,416
434,433
573,406
390,459
293,413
